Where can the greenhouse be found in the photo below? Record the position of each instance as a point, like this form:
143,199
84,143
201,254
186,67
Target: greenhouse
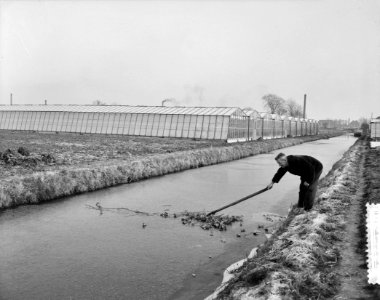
220,123
374,128
287,125
271,126
231,124
254,124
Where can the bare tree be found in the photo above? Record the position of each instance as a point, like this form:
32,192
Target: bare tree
294,109
364,120
282,111
274,104
364,126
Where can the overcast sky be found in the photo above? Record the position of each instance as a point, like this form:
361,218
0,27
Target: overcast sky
201,53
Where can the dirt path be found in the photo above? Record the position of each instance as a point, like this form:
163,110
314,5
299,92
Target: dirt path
353,266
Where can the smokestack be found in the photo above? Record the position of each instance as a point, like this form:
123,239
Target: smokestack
45,102
11,98
304,106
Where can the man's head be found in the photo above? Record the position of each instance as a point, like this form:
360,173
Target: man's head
281,160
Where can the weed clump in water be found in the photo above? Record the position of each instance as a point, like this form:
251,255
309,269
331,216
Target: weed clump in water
219,222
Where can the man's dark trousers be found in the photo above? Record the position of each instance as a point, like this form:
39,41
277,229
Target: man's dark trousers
307,194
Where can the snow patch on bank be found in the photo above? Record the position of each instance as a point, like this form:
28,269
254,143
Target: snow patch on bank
229,273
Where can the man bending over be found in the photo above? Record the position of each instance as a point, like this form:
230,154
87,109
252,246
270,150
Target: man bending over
308,168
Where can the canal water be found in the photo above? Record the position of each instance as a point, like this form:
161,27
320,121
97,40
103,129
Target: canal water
65,250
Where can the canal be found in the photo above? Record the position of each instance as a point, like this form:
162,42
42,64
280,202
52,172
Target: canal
65,250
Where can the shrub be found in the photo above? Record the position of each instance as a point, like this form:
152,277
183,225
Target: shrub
23,151
47,158
7,155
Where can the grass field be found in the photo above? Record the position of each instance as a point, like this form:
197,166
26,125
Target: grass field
69,149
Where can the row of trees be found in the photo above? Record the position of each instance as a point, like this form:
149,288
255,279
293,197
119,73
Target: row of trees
277,105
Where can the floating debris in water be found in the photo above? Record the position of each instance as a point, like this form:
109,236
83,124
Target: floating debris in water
165,214
219,222
118,209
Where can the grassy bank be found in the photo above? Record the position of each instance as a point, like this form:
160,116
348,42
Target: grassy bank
86,163
303,259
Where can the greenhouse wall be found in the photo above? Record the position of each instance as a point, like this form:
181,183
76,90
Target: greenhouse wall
278,130
238,128
286,127
375,129
230,124
167,125
298,128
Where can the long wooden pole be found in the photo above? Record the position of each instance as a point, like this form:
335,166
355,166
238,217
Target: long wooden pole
237,201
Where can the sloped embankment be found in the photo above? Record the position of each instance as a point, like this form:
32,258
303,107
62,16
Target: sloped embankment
299,261
64,181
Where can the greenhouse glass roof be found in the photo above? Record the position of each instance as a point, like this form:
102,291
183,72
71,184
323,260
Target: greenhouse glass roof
173,110
251,112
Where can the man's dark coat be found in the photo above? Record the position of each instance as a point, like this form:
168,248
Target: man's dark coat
302,165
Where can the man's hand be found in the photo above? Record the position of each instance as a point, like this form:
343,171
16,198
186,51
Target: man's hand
306,184
270,186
